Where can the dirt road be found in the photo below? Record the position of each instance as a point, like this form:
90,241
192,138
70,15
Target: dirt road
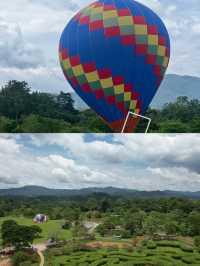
5,262
41,258
39,249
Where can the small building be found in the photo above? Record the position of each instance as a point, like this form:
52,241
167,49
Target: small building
40,218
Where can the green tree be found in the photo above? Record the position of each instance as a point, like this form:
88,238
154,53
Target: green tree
67,225
8,232
173,127
197,242
66,102
79,231
15,100
18,236
104,205
195,125
102,230
20,257
106,227
134,222
7,125
171,227
39,124
91,204
194,224
152,224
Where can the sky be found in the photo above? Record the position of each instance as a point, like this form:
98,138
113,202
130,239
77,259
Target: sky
30,31
154,162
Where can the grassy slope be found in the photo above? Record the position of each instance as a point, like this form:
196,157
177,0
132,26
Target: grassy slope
48,229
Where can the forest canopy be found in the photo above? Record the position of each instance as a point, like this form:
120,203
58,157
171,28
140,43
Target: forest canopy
24,110
177,216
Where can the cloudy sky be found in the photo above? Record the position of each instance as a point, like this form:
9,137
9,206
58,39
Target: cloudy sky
156,162
30,32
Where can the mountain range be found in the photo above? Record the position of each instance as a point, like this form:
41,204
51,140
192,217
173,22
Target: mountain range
37,191
171,88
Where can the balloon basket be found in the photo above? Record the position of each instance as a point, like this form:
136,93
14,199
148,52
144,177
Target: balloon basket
135,118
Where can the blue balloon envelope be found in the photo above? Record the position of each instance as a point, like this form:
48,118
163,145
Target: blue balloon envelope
114,53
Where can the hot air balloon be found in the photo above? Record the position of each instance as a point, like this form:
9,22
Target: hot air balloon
114,53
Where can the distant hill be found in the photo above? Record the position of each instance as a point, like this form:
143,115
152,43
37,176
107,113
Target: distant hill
172,87
36,191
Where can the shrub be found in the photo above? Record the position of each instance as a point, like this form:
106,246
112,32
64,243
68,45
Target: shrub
168,244
149,254
151,245
187,260
197,241
20,257
176,256
187,249
57,252
67,225
144,242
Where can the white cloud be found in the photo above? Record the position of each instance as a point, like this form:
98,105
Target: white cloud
18,166
176,178
154,4
14,51
174,150
196,28
133,161
8,145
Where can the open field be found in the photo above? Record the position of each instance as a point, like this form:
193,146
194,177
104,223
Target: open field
49,229
162,253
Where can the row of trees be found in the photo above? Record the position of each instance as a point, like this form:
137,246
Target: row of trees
94,206
182,116
16,101
35,112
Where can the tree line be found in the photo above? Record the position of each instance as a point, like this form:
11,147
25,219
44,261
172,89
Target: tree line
25,111
128,216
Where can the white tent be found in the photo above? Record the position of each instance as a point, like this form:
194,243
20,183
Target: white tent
40,218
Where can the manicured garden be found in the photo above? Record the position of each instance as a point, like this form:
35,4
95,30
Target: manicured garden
160,253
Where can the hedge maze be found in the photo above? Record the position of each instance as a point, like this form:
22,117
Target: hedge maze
160,253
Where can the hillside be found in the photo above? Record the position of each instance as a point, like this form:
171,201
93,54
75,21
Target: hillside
174,86
36,191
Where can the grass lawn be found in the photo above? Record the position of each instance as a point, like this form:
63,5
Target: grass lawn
50,228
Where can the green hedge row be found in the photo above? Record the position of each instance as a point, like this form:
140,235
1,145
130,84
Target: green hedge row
159,253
